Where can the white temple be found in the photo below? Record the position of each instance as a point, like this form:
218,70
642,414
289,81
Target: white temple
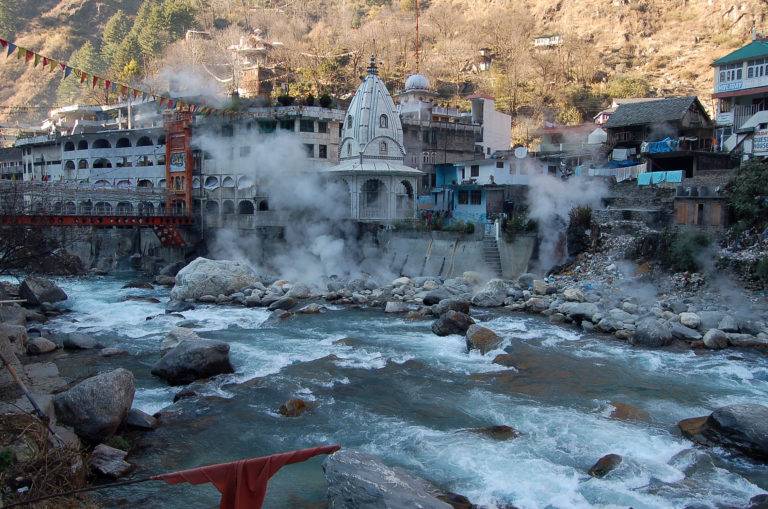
371,152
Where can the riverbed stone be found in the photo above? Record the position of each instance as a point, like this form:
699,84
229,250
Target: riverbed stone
192,360
294,407
312,309
80,341
680,331
299,291
460,305
621,315
526,280
38,346
136,419
109,462
396,307
715,339
434,296
743,427
96,406
498,432
605,465
401,281
578,311
482,338
37,290
285,303
113,352
177,335
541,287
142,285
357,480
212,277
710,319
626,412
574,295
452,322
505,359
652,333
691,320
178,306
16,336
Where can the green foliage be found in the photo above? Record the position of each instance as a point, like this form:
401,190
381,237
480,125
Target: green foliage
569,115
586,101
157,24
516,224
747,193
458,226
581,216
9,18
325,101
682,250
622,87
118,442
130,72
115,32
761,270
6,459
86,58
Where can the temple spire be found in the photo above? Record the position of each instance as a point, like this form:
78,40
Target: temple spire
372,69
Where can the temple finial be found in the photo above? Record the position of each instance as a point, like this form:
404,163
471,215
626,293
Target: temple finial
372,68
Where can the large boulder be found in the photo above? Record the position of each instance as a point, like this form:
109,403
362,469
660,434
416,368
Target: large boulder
285,303
652,333
492,294
361,481
574,295
16,336
396,307
691,320
38,346
177,335
452,322
482,338
578,311
680,331
743,427
192,360
109,462
38,290
434,296
96,406
460,305
79,341
212,277
604,465
715,339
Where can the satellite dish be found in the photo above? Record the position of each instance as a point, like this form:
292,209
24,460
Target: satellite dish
521,152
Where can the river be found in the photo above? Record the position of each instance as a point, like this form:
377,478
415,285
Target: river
396,390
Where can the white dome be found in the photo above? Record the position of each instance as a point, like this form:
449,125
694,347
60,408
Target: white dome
416,82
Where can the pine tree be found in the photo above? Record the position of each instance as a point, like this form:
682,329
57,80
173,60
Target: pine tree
153,35
128,50
70,90
129,73
179,17
9,18
115,33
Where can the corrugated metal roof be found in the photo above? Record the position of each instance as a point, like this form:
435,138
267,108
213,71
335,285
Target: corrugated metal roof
755,49
650,112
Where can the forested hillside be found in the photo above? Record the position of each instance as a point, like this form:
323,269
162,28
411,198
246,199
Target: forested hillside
610,48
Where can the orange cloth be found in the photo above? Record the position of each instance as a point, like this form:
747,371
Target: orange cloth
243,484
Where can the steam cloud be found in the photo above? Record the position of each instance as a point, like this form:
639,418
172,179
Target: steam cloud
550,200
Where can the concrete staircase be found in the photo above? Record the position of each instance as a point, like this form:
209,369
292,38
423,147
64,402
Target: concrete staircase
491,254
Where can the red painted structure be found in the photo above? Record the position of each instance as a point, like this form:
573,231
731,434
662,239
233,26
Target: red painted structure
179,163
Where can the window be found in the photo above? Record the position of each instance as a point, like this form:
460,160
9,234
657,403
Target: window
322,127
322,151
349,149
463,197
488,150
267,126
341,130
383,121
474,170
310,149
69,146
500,164
307,126
227,131
463,174
725,105
349,121
731,72
757,68
476,197
383,148
287,125
245,151
425,136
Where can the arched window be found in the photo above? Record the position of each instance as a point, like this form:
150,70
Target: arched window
161,183
123,143
145,183
69,165
383,148
349,121
349,149
146,208
245,207
102,163
103,207
70,208
230,182
82,145
69,146
384,121
212,207
102,184
229,207
211,182
86,207
82,164
144,141
161,140
124,207
263,206
57,207
101,143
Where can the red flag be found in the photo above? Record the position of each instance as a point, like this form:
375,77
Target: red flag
162,101
243,484
83,76
29,56
107,84
3,43
45,61
94,81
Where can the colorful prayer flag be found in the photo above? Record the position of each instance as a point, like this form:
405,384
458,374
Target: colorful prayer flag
29,55
67,70
11,48
94,81
36,59
3,43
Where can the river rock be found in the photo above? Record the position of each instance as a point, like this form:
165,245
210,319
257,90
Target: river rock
38,290
38,346
691,320
299,291
165,280
715,339
652,333
144,285
192,360
621,315
604,465
113,352
96,406
312,309
136,419
171,269
212,277
541,287
526,280
395,307
460,305
578,311
680,331
492,294
294,407
16,336
743,427
710,319
285,303
626,412
434,296
574,295
499,432
728,324
758,502
609,325
452,322
401,281
79,341
177,335
357,481
109,462
13,315
482,338
536,304
504,359
178,306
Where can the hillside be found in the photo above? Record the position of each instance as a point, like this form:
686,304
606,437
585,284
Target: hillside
661,47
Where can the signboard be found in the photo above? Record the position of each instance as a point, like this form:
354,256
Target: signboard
178,161
730,86
724,118
760,142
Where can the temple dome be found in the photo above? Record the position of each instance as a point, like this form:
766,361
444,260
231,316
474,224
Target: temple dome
416,82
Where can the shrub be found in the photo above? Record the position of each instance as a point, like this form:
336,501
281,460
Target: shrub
325,101
681,251
285,100
580,220
747,193
309,100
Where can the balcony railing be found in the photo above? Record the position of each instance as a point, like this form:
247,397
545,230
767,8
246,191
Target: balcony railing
741,114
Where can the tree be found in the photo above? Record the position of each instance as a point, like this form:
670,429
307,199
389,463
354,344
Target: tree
128,50
70,90
152,35
9,18
130,72
623,87
748,193
115,32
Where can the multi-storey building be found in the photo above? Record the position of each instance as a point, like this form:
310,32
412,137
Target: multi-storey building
11,165
741,93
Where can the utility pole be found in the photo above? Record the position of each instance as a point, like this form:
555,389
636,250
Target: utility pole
418,42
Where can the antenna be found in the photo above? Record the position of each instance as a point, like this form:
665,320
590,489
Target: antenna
418,49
